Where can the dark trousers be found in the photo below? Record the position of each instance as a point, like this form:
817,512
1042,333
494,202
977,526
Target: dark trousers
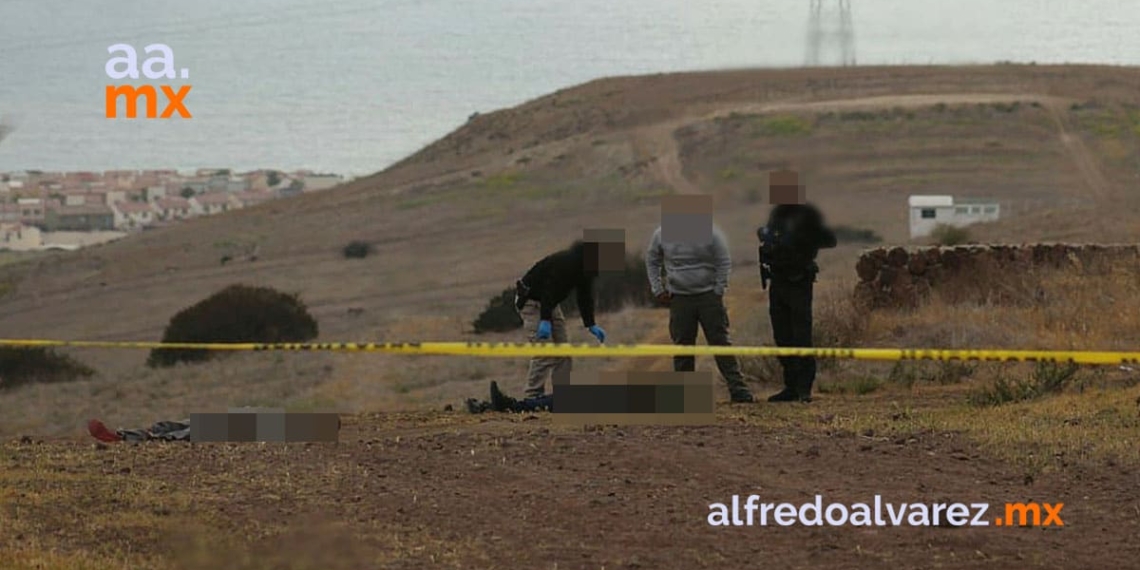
707,311
789,306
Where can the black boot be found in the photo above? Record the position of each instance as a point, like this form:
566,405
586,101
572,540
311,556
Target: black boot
476,407
741,396
501,402
785,395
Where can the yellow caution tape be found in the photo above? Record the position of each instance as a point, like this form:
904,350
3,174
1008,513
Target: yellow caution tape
508,349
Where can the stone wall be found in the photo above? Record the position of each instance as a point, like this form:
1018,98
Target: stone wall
900,277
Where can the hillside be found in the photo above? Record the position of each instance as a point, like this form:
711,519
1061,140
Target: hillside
456,222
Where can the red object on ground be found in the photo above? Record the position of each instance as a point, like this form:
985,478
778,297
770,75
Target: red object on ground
100,431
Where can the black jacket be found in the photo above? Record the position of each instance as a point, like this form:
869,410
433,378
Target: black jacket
553,278
808,235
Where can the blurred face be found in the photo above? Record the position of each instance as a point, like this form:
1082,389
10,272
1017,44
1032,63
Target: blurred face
786,195
686,218
603,257
603,250
785,187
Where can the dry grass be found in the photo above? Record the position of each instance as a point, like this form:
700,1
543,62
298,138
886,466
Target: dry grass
141,397
10,257
1066,419
1090,417
1075,429
1059,310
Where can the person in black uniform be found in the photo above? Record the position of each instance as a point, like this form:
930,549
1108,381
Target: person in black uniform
538,295
789,244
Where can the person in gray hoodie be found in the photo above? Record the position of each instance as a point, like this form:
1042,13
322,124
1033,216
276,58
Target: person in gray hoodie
688,264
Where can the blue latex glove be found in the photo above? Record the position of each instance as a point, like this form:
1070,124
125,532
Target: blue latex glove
543,330
598,332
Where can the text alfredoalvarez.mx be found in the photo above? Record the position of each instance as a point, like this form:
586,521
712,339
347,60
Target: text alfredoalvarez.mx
159,66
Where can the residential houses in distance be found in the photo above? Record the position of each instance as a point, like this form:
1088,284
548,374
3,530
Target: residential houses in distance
66,210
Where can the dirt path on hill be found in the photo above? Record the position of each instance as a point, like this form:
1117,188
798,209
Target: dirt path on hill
885,101
657,143
1098,186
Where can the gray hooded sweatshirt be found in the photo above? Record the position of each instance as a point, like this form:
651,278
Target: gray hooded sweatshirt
690,268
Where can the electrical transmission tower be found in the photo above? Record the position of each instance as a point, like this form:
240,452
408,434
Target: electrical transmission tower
830,28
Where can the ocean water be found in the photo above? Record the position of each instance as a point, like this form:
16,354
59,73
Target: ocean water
352,86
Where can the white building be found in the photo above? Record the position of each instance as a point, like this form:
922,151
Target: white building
114,196
198,186
237,184
929,212
9,213
154,193
85,198
213,203
130,215
247,199
174,208
18,237
31,209
318,182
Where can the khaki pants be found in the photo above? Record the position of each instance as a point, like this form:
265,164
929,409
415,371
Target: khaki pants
707,312
542,367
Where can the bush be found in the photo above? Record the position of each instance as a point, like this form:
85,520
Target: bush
1047,378
950,235
848,234
764,368
839,321
1007,107
499,315
20,366
237,313
783,126
943,372
615,290
357,250
904,373
860,385
1052,378
859,116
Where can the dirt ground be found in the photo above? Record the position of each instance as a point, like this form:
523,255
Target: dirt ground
516,491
